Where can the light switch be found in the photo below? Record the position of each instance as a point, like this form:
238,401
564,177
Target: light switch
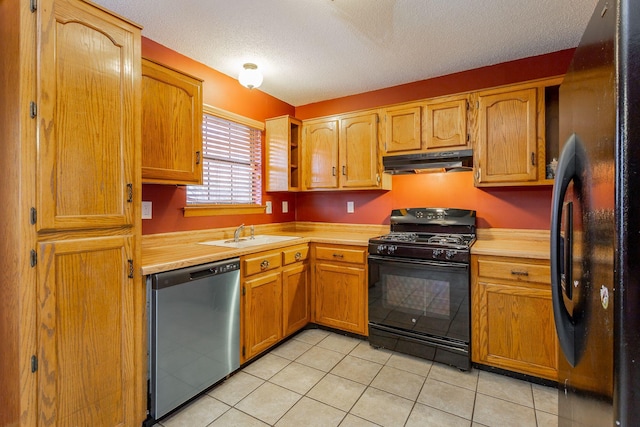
269,207
285,206
146,210
350,207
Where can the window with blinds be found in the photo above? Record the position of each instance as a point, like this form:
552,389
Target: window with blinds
232,164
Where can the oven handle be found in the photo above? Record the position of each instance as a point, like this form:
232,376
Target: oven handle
427,263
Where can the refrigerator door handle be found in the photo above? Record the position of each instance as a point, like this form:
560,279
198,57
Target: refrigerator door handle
564,323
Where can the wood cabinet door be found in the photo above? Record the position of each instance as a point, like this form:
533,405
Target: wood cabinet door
358,151
321,155
87,110
282,154
295,297
507,137
171,125
276,154
515,328
445,124
403,130
262,312
340,297
88,321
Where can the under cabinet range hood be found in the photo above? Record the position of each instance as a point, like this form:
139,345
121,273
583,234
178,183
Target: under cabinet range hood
439,161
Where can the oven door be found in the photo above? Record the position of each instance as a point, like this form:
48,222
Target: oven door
422,297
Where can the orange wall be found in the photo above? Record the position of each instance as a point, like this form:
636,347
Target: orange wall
504,208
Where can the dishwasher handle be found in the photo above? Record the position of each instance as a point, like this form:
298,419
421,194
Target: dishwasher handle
190,274
211,271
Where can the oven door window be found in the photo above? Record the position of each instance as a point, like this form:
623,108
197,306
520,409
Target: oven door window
420,296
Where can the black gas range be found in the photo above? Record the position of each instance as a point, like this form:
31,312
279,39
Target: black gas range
428,233
419,284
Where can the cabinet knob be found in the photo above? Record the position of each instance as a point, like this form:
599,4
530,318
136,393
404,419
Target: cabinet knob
338,256
264,264
298,256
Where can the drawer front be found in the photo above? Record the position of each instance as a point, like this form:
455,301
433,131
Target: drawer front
510,270
295,254
336,253
259,263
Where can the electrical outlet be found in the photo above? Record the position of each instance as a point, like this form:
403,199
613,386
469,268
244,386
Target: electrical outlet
285,206
269,209
146,210
350,207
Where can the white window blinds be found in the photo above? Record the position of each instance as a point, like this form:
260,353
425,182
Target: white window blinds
232,164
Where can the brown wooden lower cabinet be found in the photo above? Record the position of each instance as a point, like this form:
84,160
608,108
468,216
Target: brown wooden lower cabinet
340,287
275,297
512,316
87,337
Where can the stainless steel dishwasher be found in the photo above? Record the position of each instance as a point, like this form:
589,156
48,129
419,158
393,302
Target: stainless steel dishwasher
194,332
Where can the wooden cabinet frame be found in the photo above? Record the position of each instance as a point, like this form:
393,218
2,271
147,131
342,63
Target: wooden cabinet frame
339,283
275,297
512,317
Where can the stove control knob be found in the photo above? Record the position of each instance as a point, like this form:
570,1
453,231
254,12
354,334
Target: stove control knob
392,249
436,253
449,254
381,248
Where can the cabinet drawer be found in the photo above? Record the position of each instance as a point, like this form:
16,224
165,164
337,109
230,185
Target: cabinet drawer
510,270
295,254
259,263
351,255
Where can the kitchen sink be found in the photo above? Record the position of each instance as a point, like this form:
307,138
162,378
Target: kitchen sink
246,242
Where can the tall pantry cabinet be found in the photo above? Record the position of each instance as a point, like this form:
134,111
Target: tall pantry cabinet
72,299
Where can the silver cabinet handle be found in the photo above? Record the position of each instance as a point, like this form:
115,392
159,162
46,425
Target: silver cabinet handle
298,256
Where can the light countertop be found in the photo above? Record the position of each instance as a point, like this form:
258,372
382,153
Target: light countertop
177,250
159,256
512,243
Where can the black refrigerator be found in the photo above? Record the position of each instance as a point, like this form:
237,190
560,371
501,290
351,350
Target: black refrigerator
595,224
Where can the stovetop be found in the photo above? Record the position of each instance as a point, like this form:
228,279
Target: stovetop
441,234
455,240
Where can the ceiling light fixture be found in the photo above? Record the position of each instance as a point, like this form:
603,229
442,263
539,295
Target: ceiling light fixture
250,77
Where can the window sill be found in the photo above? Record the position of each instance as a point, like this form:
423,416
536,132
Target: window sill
213,210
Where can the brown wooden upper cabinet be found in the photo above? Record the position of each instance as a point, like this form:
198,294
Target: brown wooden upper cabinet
342,153
445,124
402,129
171,125
86,117
283,154
516,134
434,125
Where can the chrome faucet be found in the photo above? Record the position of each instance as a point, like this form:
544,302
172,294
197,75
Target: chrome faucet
236,234
253,233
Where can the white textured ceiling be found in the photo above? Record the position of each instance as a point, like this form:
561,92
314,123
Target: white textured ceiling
314,50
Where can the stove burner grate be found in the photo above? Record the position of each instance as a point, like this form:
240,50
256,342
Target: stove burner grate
446,239
400,237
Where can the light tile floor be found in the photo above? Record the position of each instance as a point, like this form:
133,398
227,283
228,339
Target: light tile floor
320,378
